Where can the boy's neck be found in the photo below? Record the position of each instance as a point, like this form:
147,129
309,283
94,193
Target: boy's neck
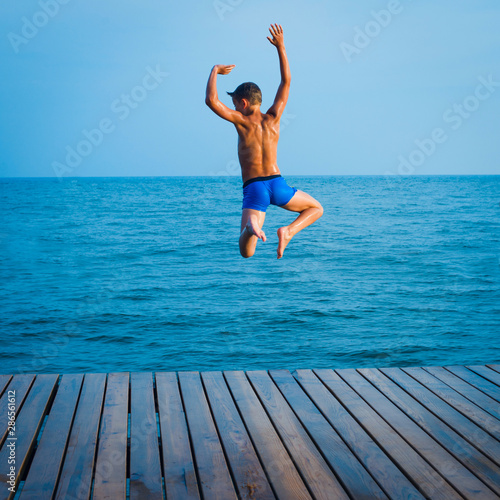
252,110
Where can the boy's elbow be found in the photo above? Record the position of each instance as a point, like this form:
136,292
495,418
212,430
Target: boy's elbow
210,101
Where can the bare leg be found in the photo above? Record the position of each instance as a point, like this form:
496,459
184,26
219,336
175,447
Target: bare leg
310,211
251,231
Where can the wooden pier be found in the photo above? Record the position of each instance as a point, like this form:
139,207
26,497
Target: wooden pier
399,433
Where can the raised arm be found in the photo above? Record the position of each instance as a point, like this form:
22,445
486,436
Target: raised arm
282,95
212,99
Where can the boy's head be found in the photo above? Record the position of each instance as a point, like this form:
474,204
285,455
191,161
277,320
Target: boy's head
249,91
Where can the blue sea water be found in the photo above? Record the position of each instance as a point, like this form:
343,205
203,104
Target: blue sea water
144,274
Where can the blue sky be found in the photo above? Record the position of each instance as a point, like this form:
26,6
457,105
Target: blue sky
378,87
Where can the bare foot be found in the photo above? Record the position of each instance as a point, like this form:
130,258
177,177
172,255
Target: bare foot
284,238
253,228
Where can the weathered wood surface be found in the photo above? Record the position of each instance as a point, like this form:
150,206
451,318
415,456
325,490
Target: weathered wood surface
413,433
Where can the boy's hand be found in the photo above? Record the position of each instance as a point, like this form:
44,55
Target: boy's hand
222,69
277,32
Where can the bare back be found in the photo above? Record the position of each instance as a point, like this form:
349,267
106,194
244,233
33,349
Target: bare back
258,138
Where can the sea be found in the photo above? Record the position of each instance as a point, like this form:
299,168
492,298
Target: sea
144,274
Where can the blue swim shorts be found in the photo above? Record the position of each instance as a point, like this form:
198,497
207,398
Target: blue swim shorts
260,192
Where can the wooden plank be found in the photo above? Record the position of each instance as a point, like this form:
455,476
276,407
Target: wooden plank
4,382
476,380
145,467
312,466
76,475
449,430
353,476
281,471
488,374
179,472
466,390
451,469
247,472
466,407
110,480
28,424
215,479
419,471
494,367
21,384
380,466
47,463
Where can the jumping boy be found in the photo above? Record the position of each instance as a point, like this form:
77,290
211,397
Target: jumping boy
258,135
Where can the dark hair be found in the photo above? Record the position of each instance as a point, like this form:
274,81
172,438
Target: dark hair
249,91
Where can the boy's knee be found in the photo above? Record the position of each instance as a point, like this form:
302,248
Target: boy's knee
320,208
246,254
